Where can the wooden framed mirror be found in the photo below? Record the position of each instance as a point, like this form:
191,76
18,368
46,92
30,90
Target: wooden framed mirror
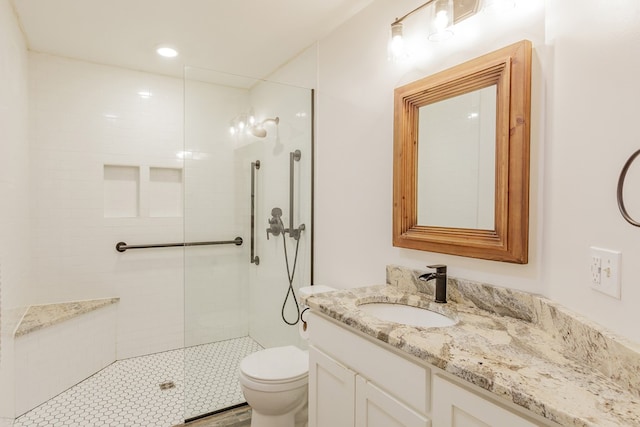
461,158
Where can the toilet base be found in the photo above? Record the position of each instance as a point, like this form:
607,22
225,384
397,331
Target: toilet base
258,420
296,418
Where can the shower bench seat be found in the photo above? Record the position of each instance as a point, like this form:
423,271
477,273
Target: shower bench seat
58,345
41,316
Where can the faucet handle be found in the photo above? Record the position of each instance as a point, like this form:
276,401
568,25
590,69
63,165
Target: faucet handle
440,268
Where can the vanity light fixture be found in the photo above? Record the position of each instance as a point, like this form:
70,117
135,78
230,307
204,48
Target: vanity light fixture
444,14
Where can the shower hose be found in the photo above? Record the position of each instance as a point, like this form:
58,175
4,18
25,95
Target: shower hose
290,275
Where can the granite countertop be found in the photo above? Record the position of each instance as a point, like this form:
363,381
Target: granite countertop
519,346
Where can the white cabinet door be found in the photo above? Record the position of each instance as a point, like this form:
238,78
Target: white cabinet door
454,406
375,408
331,392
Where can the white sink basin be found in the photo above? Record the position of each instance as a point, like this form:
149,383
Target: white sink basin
406,314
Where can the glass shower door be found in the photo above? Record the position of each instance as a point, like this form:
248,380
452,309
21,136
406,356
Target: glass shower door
234,306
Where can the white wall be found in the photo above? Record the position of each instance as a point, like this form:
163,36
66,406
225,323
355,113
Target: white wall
14,194
584,94
83,116
592,130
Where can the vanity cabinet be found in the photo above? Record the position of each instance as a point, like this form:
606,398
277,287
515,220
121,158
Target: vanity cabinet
459,407
375,408
331,392
354,381
339,397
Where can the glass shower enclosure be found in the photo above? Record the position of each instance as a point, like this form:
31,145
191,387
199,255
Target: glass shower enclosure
248,156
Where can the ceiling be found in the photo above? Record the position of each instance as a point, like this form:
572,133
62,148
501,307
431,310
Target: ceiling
244,37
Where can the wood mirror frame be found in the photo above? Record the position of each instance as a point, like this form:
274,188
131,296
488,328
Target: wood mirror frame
509,69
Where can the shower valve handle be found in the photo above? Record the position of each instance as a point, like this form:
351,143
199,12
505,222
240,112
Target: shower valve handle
275,223
273,229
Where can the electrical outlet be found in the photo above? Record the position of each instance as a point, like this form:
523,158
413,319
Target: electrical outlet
605,271
596,270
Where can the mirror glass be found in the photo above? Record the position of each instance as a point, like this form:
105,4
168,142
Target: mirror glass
456,161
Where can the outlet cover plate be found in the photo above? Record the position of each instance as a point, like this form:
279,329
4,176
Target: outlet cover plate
605,271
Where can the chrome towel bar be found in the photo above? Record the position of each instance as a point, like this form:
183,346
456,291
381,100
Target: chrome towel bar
122,246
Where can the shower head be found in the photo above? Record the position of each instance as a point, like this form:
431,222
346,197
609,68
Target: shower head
259,131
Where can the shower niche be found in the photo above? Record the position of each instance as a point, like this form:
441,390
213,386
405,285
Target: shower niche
142,191
121,191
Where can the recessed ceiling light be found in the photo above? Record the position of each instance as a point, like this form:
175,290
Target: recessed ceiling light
166,51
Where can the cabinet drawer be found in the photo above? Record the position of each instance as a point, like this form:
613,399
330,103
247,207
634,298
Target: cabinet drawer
405,380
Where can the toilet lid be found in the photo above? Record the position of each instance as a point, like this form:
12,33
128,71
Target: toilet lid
276,364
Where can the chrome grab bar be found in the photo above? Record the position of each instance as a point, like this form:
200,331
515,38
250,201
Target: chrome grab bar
294,156
254,165
122,246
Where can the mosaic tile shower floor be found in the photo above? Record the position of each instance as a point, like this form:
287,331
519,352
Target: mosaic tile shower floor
127,393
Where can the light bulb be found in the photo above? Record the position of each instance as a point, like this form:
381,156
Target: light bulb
441,25
441,21
396,51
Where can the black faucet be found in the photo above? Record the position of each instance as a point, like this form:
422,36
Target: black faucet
441,281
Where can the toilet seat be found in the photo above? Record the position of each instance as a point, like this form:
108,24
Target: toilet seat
278,368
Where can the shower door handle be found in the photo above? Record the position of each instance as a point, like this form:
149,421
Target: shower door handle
254,166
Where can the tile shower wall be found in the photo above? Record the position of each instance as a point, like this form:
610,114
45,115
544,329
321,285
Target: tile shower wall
14,190
86,122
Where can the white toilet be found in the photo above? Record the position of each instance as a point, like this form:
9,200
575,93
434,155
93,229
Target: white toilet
275,382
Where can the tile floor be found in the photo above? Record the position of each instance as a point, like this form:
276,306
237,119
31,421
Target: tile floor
127,393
